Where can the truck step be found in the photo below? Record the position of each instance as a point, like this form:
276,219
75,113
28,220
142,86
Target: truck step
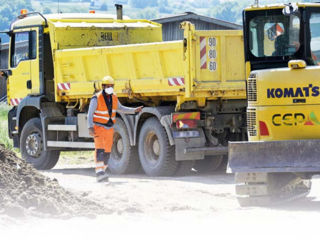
62,127
65,144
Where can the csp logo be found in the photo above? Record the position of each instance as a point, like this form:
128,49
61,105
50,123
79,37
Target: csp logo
295,119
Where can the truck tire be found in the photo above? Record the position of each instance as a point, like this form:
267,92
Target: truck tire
263,189
156,154
209,164
124,158
31,146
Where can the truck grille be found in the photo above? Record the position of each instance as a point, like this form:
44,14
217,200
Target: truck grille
251,122
252,88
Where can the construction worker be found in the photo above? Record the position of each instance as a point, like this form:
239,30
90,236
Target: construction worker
101,119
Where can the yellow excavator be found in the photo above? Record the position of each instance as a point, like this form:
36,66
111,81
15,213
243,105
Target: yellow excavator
283,113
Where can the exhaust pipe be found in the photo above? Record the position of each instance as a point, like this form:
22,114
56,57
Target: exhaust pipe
119,11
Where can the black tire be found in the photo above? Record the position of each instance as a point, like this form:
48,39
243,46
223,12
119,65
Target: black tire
124,158
31,136
208,165
156,154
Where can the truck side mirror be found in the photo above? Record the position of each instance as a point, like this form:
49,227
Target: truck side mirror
5,73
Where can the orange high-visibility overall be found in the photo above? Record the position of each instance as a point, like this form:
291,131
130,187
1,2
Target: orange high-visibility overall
103,138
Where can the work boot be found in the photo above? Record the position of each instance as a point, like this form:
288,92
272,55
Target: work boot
102,177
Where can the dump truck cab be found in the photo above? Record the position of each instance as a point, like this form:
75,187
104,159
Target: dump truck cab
282,46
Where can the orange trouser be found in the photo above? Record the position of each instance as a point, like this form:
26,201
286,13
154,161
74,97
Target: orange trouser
103,139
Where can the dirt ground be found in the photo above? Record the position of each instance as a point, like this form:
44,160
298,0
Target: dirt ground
192,207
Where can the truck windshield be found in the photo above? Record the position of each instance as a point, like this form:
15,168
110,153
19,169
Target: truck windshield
274,35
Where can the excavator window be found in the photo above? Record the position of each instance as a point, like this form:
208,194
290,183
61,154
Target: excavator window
276,35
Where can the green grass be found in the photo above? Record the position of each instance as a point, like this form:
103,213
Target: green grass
4,138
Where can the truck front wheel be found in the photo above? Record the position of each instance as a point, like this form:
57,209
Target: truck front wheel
156,154
31,146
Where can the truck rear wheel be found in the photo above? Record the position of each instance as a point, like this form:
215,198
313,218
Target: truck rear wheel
124,158
262,189
209,164
31,146
156,154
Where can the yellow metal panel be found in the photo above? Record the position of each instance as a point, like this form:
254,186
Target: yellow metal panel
289,122
285,86
161,69
81,33
224,56
134,67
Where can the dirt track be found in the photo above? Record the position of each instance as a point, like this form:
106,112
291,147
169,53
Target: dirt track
191,206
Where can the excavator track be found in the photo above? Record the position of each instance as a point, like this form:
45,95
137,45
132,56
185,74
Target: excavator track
265,189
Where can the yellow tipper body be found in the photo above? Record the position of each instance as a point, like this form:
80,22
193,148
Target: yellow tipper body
85,48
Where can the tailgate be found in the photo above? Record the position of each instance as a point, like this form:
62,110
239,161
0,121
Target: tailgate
217,57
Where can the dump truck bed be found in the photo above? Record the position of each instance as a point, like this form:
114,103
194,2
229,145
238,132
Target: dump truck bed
206,65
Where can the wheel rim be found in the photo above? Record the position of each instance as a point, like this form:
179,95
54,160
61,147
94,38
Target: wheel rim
118,147
152,148
34,145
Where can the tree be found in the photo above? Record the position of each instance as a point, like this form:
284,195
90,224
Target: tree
143,3
164,6
9,11
148,13
104,7
227,11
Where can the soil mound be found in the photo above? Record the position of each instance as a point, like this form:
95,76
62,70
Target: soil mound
24,191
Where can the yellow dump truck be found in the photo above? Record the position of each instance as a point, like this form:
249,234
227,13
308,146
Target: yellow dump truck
193,90
283,104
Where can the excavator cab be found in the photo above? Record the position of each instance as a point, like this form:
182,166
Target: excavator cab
274,35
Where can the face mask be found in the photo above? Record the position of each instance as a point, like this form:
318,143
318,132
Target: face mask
109,90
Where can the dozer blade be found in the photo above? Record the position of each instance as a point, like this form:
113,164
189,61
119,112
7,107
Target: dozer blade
274,156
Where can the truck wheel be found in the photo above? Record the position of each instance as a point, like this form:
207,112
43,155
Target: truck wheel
156,154
263,189
209,164
31,146
124,158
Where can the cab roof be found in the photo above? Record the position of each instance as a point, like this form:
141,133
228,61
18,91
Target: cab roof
279,6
